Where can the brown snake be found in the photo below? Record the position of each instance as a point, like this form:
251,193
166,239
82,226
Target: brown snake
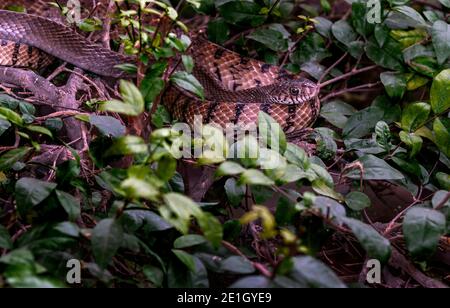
236,88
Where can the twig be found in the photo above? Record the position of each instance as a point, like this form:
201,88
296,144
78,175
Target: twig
362,88
347,75
260,267
325,74
60,114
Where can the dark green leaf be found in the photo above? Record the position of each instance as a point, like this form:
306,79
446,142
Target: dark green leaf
31,192
375,245
375,169
106,239
270,38
218,31
5,238
441,128
108,126
357,201
394,83
441,40
238,265
314,273
70,204
189,241
8,159
423,228
440,100
235,193
242,13
186,258
188,82
415,115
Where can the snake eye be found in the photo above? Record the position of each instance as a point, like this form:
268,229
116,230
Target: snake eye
295,91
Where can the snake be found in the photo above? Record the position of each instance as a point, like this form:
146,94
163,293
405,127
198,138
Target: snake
236,88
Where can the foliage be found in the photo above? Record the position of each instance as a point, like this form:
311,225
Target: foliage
124,207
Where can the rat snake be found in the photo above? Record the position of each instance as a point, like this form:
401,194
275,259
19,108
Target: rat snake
236,88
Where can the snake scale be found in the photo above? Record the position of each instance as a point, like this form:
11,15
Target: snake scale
236,88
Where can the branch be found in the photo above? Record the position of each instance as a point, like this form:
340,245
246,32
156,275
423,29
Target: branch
347,75
362,88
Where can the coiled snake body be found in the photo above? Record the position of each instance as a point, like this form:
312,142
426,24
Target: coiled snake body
236,88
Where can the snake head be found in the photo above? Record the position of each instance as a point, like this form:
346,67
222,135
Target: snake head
294,92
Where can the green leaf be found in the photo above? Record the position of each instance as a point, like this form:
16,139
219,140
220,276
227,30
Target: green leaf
441,128
337,113
31,192
239,12
135,188
375,169
188,82
321,188
11,157
188,63
357,201
411,13
271,133
128,145
323,26
387,57
383,136
445,3
211,227
272,39
362,122
330,208
410,37
218,31
108,126
154,274
106,240
251,282
423,228
235,192
4,126
314,273
440,100
297,156
311,49
441,40
11,116
255,177
186,258
5,238
444,180
343,32
413,141
238,265
133,101
415,115
359,19
394,83
70,204
375,245
190,240
229,168
179,210
40,130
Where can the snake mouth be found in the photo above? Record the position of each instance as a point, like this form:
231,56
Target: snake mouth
310,91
